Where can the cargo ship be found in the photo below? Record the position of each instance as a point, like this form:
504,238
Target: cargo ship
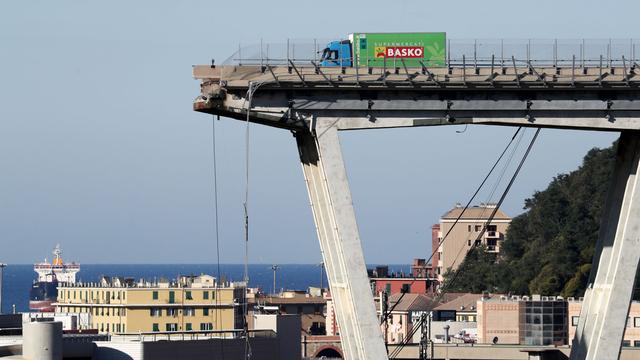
44,291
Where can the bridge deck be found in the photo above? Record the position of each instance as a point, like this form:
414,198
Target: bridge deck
513,77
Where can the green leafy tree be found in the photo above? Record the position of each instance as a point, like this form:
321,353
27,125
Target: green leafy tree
549,248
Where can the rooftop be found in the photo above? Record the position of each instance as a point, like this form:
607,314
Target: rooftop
410,302
463,302
482,211
186,281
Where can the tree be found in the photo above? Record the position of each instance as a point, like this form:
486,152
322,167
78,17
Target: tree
549,248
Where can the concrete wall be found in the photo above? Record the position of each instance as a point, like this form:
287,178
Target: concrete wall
631,331
498,319
500,352
288,330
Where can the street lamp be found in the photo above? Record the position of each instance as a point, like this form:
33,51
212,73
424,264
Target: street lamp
2,266
274,268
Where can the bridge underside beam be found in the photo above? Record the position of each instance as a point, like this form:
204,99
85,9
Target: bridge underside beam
326,180
605,110
606,304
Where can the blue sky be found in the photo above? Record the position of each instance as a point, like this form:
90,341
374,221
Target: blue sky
101,152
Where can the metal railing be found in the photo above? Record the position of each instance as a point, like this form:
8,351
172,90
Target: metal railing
467,52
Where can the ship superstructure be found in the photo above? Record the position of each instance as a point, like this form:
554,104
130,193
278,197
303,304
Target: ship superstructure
44,290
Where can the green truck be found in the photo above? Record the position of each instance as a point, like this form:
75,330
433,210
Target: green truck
387,49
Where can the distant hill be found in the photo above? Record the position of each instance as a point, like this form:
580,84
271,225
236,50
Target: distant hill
549,248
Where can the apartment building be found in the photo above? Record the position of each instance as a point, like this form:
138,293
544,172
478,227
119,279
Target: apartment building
192,303
467,233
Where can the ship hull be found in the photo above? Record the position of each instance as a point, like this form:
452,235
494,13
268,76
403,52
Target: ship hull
43,295
42,306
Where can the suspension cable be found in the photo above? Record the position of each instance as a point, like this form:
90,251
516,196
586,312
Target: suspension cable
434,251
462,268
217,233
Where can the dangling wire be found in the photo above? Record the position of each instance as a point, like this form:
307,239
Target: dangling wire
249,98
217,233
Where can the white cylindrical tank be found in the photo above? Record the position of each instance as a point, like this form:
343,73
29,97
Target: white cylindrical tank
42,340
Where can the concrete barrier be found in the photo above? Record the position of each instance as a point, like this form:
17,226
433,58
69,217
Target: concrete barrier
42,341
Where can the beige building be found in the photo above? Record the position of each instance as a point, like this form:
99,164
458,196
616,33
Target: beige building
631,332
464,235
193,303
539,320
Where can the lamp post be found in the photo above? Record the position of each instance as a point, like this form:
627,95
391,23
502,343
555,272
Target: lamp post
2,266
274,268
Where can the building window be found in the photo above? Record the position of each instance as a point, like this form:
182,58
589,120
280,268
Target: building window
574,320
206,326
189,312
155,327
478,228
155,295
155,312
636,343
387,288
406,288
187,327
636,322
469,228
205,295
205,312
188,295
172,327
171,312
625,343
172,297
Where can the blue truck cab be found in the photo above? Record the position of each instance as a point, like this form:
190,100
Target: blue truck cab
337,53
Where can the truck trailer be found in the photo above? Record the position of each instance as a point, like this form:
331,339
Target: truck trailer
387,50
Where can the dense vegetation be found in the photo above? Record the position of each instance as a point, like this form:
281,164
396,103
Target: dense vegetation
549,247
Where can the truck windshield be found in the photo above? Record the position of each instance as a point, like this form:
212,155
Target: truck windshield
328,54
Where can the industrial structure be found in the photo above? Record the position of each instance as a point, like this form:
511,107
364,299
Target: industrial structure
555,84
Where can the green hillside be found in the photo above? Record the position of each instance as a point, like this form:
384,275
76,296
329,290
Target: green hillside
548,249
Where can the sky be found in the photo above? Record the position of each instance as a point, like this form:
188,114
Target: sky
101,152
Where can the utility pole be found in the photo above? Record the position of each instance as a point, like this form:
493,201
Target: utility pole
384,307
274,268
321,265
425,339
2,266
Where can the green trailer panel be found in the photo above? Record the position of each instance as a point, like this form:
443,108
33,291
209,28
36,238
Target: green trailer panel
390,49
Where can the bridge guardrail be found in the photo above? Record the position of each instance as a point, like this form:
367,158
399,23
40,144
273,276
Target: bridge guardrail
471,52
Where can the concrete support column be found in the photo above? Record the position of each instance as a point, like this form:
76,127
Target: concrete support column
326,180
42,341
606,304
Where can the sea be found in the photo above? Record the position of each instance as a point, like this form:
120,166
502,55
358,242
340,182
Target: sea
18,278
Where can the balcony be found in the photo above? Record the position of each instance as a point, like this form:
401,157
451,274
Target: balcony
493,235
492,245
